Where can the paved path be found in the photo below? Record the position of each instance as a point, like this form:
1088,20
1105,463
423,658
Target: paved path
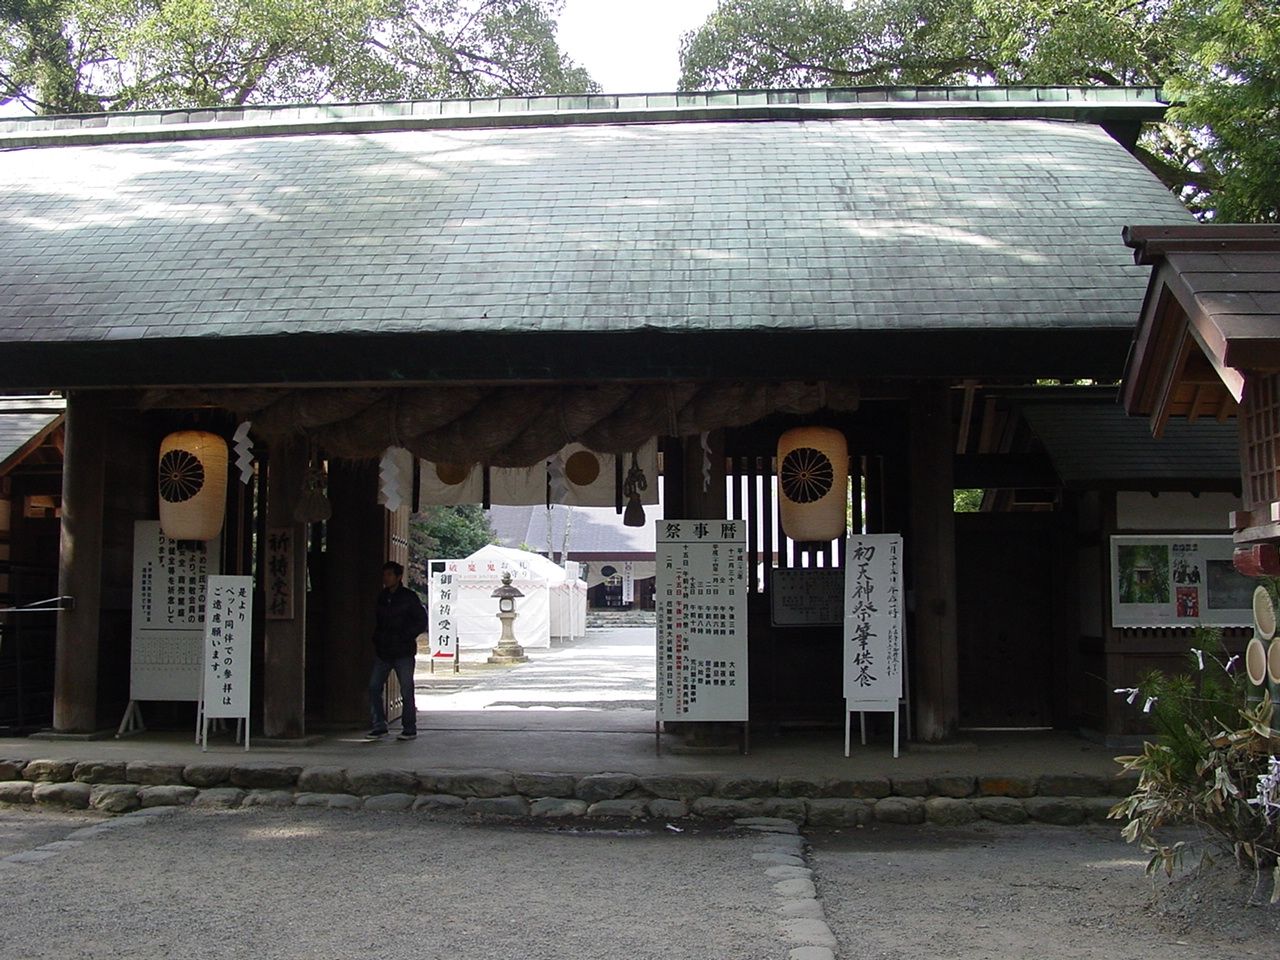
272,884
609,670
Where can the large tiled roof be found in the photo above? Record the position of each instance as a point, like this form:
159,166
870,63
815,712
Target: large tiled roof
818,221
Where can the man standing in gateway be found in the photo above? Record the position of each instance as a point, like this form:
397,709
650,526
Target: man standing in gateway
401,618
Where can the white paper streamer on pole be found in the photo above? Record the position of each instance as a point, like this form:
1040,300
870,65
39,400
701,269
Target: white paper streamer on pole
557,482
244,451
706,461
389,475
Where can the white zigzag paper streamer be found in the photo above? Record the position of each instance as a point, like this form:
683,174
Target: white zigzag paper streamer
556,479
706,461
243,447
389,474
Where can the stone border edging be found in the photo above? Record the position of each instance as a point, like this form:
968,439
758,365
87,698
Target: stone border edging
121,786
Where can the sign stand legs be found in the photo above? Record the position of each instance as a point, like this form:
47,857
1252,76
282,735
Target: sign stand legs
862,719
131,722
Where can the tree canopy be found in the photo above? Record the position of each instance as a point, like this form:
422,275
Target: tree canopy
445,533
1220,58
67,56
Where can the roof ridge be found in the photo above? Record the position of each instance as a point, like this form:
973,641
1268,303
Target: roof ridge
917,102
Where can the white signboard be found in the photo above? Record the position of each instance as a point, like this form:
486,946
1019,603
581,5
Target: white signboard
228,642
167,637
1178,581
873,622
806,597
702,620
628,582
443,627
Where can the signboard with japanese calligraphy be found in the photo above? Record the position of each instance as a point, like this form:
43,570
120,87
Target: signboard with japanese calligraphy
277,584
442,598
702,620
1178,581
169,593
628,582
806,597
228,640
874,604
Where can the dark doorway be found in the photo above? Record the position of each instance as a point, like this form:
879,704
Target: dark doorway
1007,624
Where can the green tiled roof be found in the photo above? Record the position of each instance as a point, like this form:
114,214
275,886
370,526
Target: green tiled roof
806,222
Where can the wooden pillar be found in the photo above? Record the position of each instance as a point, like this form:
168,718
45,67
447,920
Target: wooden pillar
353,565
75,684
284,652
932,548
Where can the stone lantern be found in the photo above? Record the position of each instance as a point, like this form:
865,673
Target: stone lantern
507,650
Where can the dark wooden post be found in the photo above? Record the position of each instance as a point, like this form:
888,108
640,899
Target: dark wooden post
284,653
352,570
75,683
704,501
932,548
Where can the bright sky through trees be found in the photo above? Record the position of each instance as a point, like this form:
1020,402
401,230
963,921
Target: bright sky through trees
630,46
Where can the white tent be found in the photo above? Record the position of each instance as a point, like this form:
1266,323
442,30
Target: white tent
548,610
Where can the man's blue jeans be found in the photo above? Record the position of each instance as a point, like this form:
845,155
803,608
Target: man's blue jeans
403,666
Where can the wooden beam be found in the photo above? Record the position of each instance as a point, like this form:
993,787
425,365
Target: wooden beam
284,654
75,684
932,552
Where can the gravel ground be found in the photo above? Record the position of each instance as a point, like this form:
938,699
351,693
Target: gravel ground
1053,893
330,884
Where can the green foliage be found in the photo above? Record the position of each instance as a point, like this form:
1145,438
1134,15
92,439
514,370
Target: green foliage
968,500
62,56
1219,153
445,533
1231,89
1212,747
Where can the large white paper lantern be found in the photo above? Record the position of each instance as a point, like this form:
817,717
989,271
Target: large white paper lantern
813,483
193,485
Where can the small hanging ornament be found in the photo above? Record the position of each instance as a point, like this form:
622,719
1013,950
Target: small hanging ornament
705,440
634,485
557,482
243,447
389,477
313,506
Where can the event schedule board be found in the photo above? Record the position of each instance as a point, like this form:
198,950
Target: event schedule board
170,585
874,603
702,620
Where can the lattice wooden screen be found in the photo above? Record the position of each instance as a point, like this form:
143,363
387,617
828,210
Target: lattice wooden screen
1260,439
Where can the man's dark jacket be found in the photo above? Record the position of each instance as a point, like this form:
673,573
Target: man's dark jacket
401,618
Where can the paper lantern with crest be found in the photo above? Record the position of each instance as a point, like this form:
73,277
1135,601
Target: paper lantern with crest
813,472
193,485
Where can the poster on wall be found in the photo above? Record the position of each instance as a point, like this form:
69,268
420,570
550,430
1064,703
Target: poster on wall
873,622
702,620
1178,581
167,628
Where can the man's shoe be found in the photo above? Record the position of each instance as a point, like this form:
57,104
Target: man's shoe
375,734
407,736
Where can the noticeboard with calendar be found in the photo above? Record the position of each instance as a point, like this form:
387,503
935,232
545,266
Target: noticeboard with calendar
702,620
